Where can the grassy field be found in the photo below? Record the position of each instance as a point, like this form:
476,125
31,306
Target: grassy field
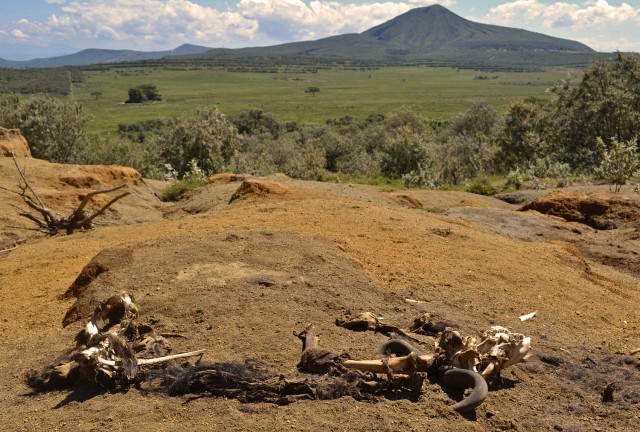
438,93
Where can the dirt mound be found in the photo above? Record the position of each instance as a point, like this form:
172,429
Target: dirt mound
12,142
105,261
259,189
62,187
602,210
227,178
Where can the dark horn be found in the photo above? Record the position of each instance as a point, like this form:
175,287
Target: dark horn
462,378
398,348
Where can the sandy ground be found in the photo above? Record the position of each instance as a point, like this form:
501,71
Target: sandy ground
237,268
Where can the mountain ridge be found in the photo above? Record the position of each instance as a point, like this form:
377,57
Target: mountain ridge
427,33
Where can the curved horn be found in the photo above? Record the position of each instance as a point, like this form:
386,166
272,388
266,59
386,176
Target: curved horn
461,379
398,347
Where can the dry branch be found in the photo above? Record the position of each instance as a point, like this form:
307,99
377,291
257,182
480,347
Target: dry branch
51,221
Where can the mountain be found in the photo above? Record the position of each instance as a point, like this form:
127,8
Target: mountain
431,34
94,56
435,29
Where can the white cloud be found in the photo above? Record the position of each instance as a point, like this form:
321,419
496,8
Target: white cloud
287,20
612,44
152,24
163,24
590,14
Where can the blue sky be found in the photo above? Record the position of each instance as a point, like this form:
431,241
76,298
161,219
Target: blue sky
44,28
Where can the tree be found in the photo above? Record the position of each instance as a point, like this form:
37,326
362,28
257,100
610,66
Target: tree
150,92
312,90
143,93
521,139
96,94
605,104
135,95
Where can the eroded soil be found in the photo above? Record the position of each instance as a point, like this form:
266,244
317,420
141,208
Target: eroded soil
237,268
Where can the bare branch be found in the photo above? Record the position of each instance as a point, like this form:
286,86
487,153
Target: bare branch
105,207
90,195
26,182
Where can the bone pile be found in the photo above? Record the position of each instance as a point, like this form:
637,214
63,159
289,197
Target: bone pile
109,351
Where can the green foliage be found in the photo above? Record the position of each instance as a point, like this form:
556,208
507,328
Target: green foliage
463,157
481,185
208,138
515,179
254,122
53,128
125,152
477,121
404,153
521,138
605,103
425,176
619,163
143,93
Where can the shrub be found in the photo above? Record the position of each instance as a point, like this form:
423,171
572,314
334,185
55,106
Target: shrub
123,151
463,157
254,122
208,138
425,176
619,163
477,121
481,185
53,128
403,153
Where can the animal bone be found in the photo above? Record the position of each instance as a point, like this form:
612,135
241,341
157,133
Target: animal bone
399,365
142,362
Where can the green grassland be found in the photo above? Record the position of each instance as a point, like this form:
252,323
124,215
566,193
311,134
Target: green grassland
437,93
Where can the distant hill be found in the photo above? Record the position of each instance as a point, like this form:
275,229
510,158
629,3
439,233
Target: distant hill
435,29
430,33
94,56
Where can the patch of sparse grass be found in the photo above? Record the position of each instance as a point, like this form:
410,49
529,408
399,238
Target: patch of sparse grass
176,191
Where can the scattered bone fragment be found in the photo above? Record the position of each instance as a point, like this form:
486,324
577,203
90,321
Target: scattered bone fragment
528,316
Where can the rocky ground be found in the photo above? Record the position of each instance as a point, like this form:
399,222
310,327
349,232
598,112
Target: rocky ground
242,263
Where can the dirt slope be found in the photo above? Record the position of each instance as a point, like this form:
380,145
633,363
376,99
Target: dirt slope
240,266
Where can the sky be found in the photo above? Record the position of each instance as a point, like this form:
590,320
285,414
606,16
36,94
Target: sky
46,28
